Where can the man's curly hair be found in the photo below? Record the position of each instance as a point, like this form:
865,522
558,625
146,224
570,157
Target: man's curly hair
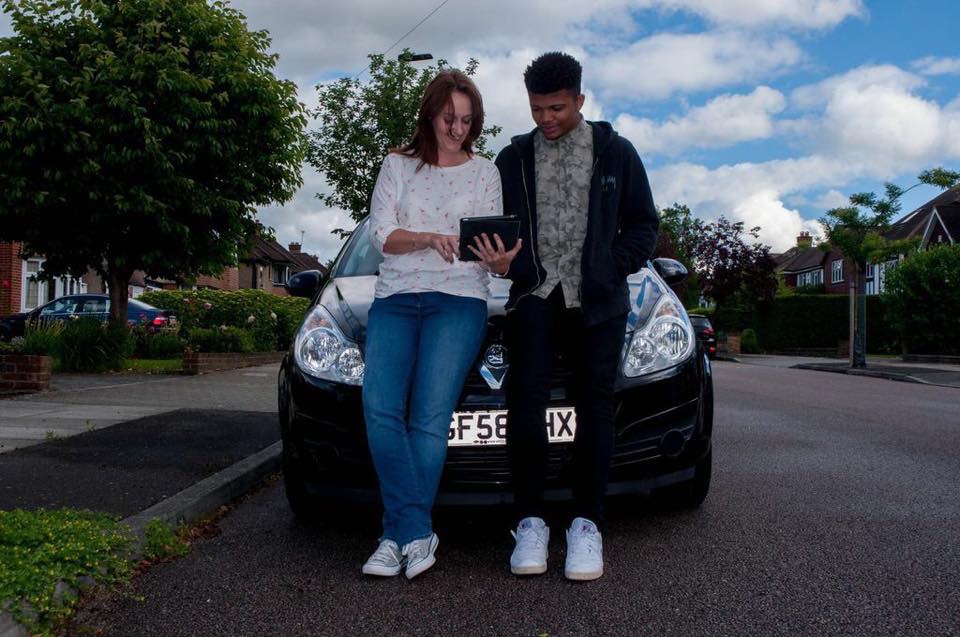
552,72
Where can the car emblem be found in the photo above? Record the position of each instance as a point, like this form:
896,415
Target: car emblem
494,366
496,356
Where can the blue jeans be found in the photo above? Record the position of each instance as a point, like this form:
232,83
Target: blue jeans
419,349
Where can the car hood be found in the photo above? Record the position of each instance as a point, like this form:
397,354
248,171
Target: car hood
348,299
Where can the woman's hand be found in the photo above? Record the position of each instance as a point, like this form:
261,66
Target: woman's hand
446,245
493,255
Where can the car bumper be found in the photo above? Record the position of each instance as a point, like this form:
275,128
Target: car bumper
663,427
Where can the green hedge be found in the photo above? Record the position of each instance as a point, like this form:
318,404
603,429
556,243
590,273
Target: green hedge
808,321
270,320
923,300
814,321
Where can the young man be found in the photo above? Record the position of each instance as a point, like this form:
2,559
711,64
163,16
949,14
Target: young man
587,221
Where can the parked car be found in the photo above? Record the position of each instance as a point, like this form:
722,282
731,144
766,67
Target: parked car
664,392
705,333
78,305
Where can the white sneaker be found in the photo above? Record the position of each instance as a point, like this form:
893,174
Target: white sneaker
584,551
529,556
419,554
386,561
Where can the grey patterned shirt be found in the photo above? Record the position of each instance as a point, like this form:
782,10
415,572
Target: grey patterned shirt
564,168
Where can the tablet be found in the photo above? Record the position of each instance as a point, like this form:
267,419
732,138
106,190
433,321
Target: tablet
507,226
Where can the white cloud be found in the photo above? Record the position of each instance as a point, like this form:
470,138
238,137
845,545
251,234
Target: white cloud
723,121
873,117
665,64
811,14
832,199
306,213
752,192
931,65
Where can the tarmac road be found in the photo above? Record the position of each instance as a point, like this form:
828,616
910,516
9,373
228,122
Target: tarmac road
834,510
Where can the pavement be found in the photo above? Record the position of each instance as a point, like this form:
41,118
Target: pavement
139,446
940,374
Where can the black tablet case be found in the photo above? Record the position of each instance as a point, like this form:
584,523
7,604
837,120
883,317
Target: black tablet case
507,226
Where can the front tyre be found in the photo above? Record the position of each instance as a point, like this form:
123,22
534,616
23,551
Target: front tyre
692,493
303,505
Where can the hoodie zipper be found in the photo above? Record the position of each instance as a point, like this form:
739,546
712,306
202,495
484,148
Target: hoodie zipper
533,249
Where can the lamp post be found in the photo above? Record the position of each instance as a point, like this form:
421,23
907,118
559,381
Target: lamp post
407,56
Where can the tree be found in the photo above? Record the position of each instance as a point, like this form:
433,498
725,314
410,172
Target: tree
859,234
730,266
140,135
360,122
684,233
922,300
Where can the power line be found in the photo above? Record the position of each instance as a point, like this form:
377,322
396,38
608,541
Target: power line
403,37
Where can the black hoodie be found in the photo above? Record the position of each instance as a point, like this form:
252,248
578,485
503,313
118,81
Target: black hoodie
622,222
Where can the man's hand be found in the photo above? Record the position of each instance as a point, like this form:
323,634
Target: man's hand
493,255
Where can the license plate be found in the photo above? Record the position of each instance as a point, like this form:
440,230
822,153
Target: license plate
468,428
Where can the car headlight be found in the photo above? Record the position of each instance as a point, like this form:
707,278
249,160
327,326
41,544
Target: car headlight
322,350
663,341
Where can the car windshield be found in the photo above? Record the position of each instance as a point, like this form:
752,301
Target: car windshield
134,304
700,322
360,258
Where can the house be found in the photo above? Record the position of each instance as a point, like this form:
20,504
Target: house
808,266
269,265
21,290
936,222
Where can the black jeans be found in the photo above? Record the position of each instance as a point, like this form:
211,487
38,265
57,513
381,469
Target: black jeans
536,330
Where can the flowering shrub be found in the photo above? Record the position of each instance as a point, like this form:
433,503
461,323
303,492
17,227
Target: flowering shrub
270,320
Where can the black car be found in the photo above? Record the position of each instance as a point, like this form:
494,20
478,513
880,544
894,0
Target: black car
705,333
81,305
664,417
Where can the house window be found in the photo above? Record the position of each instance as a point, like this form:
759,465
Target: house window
280,274
836,271
34,290
814,277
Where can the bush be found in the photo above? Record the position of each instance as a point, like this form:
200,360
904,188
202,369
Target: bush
42,339
275,318
226,339
808,321
922,296
748,342
161,345
87,345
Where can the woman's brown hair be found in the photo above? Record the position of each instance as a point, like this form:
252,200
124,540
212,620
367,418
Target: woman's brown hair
436,97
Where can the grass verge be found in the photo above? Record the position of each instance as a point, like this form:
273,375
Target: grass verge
153,365
41,551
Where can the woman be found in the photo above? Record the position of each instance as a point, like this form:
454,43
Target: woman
429,314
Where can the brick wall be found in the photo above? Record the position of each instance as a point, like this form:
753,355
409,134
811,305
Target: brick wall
200,363
228,280
22,373
11,278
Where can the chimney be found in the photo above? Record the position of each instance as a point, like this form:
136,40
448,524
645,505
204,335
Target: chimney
295,248
804,240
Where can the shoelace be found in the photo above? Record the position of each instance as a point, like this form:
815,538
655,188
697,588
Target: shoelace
418,549
590,542
384,554
527,538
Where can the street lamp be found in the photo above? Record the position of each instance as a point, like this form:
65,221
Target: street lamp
413,57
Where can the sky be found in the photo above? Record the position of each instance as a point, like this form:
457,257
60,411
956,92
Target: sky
767,111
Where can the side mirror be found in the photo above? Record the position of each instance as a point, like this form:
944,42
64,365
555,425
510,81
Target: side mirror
305,284
671,271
